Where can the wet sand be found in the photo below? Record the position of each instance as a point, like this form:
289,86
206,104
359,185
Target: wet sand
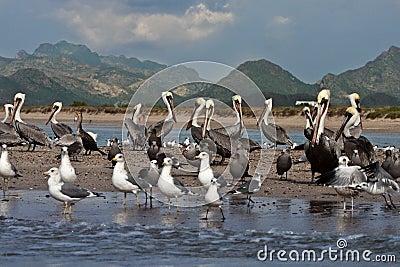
94,172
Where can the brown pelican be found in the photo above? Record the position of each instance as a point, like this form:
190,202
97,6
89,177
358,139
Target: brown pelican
283,163
89,144
192,124
345,180
169,186
321,152
136,131
59,128
7,169
364,147
355,101
160,129
213,199
249,188
114,150
29,132
310,120
274,133
222,141
5,127
66,192
236,130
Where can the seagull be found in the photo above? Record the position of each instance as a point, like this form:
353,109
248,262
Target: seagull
213,199
380,183
114,150
249,188
59,129
67,171
153,150
345,179
239,165
123,181
206,174
169,186
66,192
283,163
7,169
150,175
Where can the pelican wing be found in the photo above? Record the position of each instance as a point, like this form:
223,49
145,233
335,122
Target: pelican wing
60,129
32,133
276,134
162,128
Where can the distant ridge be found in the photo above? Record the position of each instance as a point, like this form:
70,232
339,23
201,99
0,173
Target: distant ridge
71,72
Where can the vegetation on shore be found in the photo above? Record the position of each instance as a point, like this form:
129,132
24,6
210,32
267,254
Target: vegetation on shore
369,113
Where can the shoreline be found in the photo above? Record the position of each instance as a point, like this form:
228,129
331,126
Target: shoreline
296,122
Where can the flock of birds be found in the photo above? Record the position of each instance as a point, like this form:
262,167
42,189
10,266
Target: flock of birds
345,159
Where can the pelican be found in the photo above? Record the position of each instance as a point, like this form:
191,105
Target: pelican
160,129
88,142
5,127
249,188
59,129
8,134
222,141
67,171
136,131
321,152
66,192
213,199
272,132
364,147
283,163
345,179
169,186
31,133
236,130
310,120
192,124
124,182
355,102
7,169
114,150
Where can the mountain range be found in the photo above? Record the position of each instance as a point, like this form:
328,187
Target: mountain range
73,73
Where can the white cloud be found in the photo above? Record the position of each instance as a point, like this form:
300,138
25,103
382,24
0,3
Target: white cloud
281,20
108,26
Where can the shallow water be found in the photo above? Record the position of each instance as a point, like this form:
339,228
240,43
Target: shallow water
100,232
108,132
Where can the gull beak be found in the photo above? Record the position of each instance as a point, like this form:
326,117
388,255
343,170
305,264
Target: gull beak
114,159
46,173
197,157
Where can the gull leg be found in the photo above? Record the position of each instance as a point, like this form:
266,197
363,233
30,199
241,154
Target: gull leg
169,205
207,214
222,213
352,203
387,203
286,175
250,200
391,202
151,197
124,203
344,203
177,207
137,199
145,203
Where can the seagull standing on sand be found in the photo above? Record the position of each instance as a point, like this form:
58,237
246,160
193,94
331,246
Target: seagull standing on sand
123,181
213,199
66,192
169,186
67,171
249,188
7,169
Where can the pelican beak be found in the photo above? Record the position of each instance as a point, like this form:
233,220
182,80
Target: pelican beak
321,110
262,115
238,107
171,104
51,115
345,120
17,102
206,122
188,124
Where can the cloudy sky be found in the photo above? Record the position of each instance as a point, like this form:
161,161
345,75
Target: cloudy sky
309,38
